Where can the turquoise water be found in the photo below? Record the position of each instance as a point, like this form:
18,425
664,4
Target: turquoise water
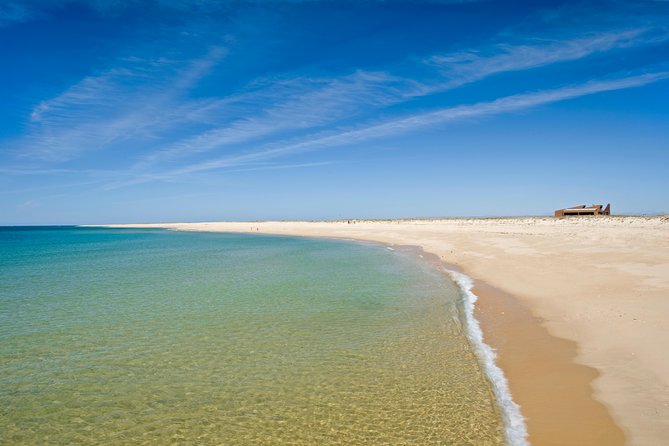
160,337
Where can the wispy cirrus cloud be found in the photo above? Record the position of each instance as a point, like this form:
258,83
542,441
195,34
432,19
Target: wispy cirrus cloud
145,101
397,126
307,103
302,103
469,66
114,106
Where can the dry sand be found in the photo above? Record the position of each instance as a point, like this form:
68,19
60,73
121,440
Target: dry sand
594,290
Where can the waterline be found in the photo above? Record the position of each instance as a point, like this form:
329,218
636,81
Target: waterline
515,429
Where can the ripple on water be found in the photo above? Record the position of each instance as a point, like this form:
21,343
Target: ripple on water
156,337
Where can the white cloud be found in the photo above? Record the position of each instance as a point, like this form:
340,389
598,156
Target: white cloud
117,105
469,66
411,123
297,104
307,104
145,102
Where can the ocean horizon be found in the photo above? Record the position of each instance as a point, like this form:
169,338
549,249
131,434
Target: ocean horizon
145,336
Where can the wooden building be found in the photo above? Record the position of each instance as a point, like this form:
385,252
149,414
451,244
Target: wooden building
595,209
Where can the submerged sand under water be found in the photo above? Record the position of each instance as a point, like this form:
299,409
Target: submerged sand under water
157,337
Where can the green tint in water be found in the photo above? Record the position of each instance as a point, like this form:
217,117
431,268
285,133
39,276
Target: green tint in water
157,337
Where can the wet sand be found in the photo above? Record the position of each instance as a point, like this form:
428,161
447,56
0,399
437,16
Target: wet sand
585,302
554,393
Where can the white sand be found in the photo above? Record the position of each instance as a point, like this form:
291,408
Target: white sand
600,281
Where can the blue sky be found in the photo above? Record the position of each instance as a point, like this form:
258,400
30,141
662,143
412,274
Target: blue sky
138,111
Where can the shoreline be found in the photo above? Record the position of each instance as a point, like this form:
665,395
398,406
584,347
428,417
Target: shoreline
520,344
515,424
599,286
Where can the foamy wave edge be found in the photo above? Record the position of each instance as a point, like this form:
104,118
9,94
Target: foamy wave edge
515,430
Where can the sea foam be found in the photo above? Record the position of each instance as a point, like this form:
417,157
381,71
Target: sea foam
515,430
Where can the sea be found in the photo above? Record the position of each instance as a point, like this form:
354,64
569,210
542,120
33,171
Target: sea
152,336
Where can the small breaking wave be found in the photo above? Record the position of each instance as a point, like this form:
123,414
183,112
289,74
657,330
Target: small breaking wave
515,430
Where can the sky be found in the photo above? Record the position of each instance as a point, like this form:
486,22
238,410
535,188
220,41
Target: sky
174,110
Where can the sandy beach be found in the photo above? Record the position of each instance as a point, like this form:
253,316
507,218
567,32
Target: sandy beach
576,309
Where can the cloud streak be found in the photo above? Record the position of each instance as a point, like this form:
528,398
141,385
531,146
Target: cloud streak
115,106
302,104
465,67
145,104
306,103
399,126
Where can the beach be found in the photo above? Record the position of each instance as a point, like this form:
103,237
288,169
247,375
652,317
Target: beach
576,309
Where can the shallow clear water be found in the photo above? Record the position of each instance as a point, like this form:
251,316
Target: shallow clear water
160,337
